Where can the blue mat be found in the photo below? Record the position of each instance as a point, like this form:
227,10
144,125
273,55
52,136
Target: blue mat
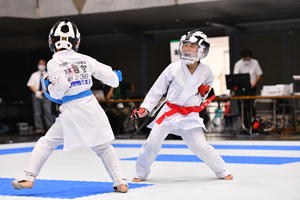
61,188
228,159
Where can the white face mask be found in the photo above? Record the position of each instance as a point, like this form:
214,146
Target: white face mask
41,68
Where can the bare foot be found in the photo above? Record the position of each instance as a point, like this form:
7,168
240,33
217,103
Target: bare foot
137,180
22,184
228,177
123,188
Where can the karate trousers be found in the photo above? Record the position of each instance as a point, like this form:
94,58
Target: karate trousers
54,137
196,142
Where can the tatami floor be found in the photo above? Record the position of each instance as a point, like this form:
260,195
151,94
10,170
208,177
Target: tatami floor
264,170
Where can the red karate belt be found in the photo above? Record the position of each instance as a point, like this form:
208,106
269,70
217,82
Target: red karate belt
183,110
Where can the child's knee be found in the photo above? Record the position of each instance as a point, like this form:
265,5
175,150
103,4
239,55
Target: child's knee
48,142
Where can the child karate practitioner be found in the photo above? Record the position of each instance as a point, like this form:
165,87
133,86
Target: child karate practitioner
82,121
187,83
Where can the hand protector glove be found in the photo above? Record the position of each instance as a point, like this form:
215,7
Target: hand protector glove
139,113
119,74
45,83
203,90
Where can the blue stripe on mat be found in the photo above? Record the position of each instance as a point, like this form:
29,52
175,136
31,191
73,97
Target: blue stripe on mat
263,160
173,146
20,150
61,188
245,147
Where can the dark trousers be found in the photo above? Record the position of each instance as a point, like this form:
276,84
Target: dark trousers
42,113
249,111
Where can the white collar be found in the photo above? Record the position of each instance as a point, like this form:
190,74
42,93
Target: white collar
63,52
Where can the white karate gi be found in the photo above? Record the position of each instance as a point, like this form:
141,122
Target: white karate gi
82,121
182,89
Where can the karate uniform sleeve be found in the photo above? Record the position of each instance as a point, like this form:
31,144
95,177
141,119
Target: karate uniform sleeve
209,78
158,89
208,81
104,73
59,81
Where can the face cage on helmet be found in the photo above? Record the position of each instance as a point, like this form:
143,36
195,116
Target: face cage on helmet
70,43
202,53
56,43
50,44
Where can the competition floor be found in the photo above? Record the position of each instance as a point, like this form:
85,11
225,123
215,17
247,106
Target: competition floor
264,170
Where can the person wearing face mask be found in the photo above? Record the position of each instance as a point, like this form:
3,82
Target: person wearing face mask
247,64
186,84
41,106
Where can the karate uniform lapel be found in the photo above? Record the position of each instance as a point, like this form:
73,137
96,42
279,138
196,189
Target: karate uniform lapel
193,82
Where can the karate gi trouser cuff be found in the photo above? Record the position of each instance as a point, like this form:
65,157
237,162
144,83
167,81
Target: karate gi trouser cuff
30,176
111,162
222,174
119,182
